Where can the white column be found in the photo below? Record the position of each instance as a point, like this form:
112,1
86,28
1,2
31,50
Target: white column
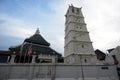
8,59
33,59
12,59
53,58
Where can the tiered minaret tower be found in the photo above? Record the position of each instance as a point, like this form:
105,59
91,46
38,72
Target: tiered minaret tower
77,40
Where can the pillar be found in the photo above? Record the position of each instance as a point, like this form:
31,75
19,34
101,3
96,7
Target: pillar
33,59
12,59
53,59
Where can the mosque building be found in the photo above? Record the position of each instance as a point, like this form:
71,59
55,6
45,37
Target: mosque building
33,49
34,59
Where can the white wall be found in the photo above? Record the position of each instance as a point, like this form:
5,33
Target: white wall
56,72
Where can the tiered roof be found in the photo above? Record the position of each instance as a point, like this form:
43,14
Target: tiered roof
37,39
39,45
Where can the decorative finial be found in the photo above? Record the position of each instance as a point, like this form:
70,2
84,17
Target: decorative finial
37,31
71,4
80,7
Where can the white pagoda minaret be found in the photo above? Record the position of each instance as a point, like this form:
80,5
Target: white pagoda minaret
77,40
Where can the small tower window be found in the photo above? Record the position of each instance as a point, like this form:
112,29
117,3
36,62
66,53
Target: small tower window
85,60
82,46
77,11
73,10
74,37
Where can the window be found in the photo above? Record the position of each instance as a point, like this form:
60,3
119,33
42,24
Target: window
73,10
77,11
82,46
74,37
85,60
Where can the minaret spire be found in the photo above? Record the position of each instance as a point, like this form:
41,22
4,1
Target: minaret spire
77,39
37,31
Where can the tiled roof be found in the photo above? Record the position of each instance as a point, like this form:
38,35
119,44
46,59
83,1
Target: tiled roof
37,39
35,48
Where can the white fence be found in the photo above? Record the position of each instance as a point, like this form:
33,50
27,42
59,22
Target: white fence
57,72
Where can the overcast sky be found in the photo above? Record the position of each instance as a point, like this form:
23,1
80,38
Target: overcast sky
19,19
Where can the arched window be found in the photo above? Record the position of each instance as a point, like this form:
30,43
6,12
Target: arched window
73,10
85,60
82,46
77,11
74,37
